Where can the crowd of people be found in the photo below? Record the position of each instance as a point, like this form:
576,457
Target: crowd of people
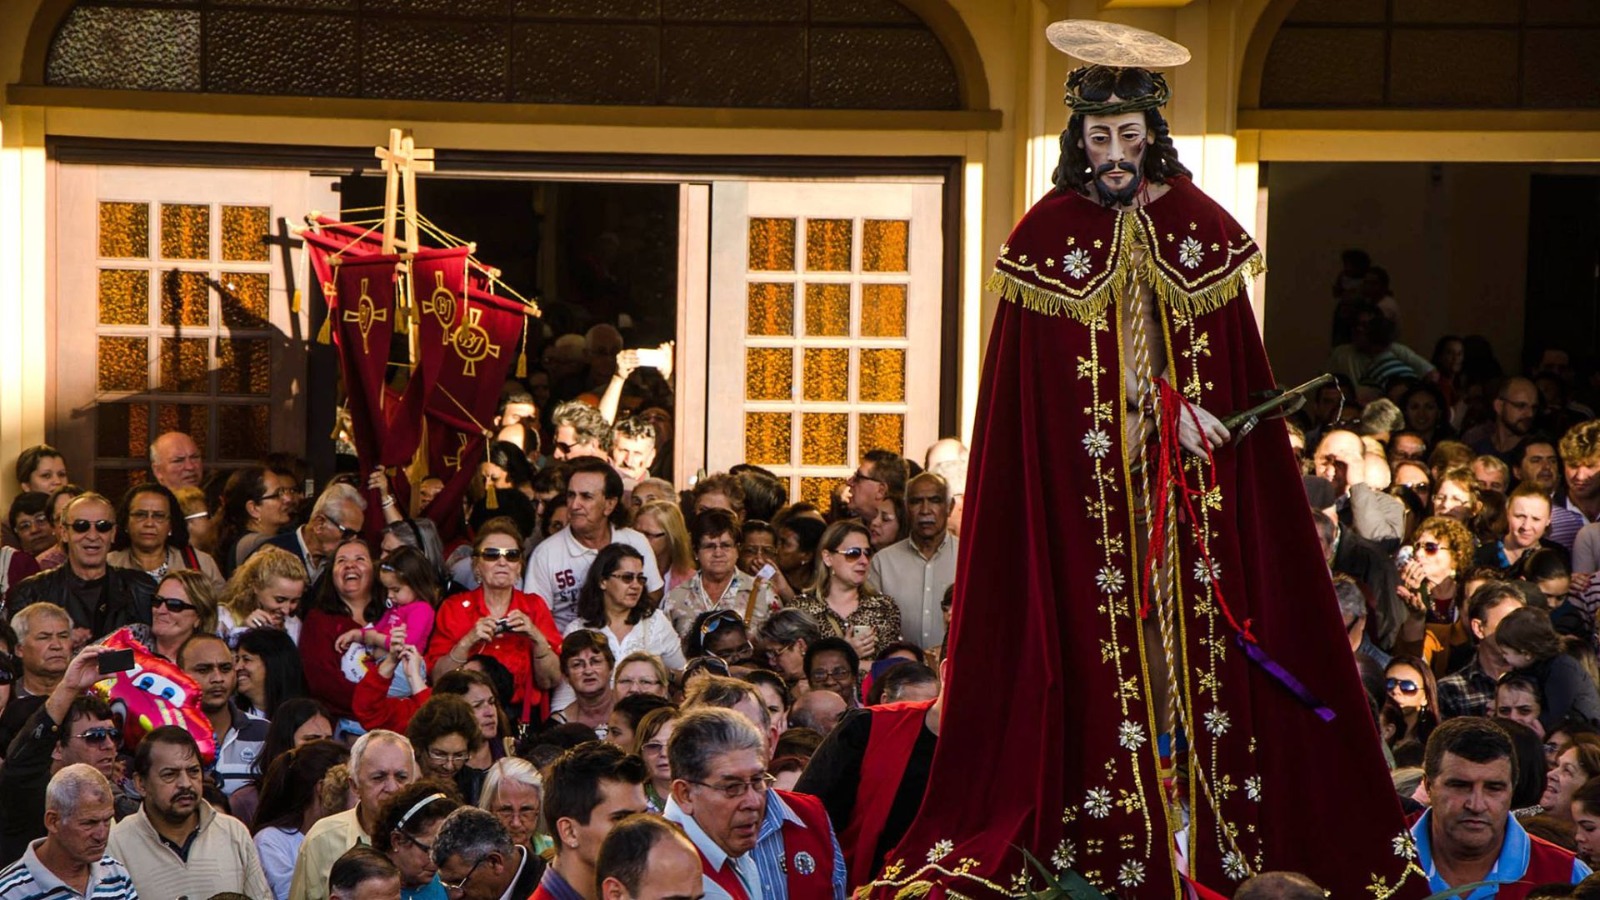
602,681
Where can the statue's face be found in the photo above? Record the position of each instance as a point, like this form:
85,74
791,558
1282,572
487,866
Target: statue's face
1116,146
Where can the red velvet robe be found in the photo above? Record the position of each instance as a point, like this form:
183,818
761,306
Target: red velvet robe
1048,740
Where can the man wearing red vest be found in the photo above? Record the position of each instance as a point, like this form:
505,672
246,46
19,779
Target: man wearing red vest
1468,835
755,843
871,772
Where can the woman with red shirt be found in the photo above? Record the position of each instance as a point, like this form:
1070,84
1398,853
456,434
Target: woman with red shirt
345,599
500,621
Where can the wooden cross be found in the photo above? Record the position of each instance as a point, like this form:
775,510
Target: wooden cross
401,163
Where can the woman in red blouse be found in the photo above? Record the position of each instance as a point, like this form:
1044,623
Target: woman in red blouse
500,621
345,599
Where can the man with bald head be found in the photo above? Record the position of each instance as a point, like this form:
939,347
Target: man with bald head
175,461
818,710
381,763
1514,408
1372,514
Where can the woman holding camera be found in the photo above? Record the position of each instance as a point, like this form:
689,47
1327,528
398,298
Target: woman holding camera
500,621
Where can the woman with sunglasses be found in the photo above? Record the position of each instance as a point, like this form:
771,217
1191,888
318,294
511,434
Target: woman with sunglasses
1411,689
183,607
1430,578
347,597
254,507
500,621
612,602
408,823
839,597
650,744
661,523
153,536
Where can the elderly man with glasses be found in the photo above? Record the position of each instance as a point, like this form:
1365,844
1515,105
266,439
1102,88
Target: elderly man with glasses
70,727
99,596
755,842
337,516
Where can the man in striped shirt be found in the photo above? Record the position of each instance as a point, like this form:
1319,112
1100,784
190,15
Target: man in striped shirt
70,860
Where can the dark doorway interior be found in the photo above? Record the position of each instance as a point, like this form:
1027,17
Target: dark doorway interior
1563,298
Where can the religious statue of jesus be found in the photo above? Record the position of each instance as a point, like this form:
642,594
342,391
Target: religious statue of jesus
1150,686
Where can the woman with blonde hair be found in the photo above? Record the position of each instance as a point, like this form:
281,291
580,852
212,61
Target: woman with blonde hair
662,525
183,607
839,597
264,592
641,672
650,744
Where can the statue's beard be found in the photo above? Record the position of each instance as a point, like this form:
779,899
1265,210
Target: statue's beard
1123,196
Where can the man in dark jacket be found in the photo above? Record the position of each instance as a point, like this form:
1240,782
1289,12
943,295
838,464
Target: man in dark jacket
100,597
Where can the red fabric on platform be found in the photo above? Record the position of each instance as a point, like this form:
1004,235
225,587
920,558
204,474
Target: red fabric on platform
1047,740
890,743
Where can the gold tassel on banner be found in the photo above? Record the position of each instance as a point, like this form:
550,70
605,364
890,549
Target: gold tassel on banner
522,360
491,497
325,334
294,302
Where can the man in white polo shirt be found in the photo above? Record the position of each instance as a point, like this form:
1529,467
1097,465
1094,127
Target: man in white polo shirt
560,563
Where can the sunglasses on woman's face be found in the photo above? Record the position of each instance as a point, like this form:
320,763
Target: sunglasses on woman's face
628,577
1406,686
855,553
103,526
1430,547
174,606
493,553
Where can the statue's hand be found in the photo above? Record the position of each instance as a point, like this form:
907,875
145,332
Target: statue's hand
1196,437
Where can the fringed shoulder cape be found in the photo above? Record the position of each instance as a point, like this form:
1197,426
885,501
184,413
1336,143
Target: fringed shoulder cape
1048,742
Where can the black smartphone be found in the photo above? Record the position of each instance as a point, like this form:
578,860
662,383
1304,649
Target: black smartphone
114,661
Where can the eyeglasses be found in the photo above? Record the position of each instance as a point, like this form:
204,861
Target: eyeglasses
447,759
737,654
652,535
839,674
627,577
773,653
457,887
344,533
1406,685
1430,547
733,790
425,848
102,526
493,553
564,449
719,547
174,605
638,682
862,476
275,495
149,515
1417,486
100,735
855,553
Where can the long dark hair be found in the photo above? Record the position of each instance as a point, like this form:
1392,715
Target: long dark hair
327,598
280,734
285,678
290,787
245,486
591,597
178,536
1099,83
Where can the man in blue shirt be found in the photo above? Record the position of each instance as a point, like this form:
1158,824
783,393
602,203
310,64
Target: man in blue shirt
1469,835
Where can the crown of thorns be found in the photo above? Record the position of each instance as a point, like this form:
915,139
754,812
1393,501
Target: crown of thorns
1082,105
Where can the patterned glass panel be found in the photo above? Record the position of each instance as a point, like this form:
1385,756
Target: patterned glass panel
883,310
185,365
868,68
122,430
246,431
244,366
244,299
124,364
733,65
827,310
828,244
770,310
883,376
825,439
771,245
819,490
193,419
885,245
769,373
767,440
882,431
401,55
185,231
826,374
115,482
124,297
287,53
576,62
185,298
126,49
243,227
125,230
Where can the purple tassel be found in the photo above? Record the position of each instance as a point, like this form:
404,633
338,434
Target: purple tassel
1298,688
